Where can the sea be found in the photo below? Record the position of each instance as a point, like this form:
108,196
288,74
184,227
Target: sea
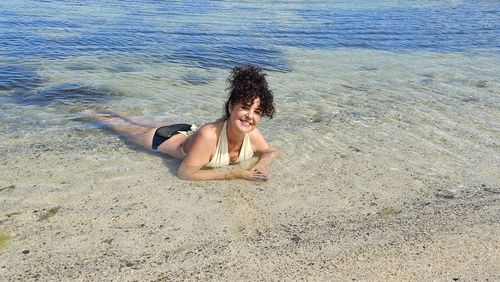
361,76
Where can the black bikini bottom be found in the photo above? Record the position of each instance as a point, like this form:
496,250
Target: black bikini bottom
163,133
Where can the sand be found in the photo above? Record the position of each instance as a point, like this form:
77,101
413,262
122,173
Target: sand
388,171
82,205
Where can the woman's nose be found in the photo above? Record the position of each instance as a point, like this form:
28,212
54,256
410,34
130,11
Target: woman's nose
250,114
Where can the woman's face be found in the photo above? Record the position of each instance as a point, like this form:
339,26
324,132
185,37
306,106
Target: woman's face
245,117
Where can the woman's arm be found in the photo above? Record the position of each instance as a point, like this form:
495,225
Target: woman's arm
266,154
199,155
196,173
265,159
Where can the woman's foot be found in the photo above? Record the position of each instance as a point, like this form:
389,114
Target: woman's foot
88,113
94,115
112,116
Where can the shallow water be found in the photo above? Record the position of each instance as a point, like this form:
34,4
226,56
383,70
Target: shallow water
415,77
388,124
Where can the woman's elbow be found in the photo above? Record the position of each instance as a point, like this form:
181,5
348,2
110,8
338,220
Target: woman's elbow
184,175
274,152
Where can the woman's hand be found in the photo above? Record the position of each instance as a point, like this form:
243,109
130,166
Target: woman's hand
256,175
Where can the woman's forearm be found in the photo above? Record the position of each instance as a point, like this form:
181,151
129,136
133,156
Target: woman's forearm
201,174
266,159
258,172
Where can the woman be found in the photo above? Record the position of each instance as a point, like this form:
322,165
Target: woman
231,139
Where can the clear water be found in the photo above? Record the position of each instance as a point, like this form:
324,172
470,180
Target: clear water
376,75
388,123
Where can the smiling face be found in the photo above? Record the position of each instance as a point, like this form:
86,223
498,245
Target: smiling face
246,83
245,117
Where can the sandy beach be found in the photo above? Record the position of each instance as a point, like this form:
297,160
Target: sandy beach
388,126
363,199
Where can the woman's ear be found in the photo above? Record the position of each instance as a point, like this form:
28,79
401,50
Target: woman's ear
230,107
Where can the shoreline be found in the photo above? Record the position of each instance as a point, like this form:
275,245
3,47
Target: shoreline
352,217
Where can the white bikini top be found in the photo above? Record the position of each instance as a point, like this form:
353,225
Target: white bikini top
221,156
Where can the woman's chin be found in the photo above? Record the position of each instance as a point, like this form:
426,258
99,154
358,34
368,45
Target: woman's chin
246,128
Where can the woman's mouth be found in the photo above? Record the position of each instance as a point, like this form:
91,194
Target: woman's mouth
245,123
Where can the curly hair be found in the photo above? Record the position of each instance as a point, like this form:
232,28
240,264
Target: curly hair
247,83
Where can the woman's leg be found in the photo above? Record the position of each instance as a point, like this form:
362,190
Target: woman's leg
139,134
137,120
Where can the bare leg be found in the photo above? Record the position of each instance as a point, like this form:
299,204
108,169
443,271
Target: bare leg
140,135
137,120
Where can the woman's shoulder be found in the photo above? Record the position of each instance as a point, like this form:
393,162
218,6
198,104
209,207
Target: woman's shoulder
258,141
210,129
255,134
205,137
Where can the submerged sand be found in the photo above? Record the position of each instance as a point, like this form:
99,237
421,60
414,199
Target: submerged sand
369,186
345,214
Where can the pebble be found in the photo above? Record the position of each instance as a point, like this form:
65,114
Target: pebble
295,238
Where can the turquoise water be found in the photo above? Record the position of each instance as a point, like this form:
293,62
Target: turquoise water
334,66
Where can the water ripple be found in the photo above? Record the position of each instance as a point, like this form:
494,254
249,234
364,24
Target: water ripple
223,33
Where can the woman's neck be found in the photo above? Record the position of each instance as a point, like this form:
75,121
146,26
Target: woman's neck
234,136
